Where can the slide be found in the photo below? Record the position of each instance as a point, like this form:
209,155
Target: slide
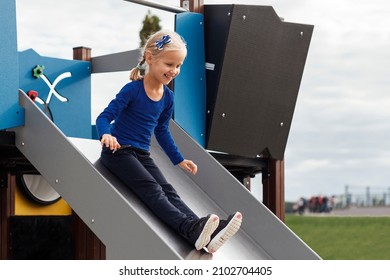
127,228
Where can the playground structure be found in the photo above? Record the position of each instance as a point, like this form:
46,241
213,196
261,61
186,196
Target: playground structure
107,214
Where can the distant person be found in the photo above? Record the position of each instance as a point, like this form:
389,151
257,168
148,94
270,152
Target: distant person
142,107
301,206
312,204
324,205
332,202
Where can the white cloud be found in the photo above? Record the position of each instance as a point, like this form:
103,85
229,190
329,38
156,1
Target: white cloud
106,26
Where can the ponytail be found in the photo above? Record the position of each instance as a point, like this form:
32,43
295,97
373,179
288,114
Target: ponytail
138,72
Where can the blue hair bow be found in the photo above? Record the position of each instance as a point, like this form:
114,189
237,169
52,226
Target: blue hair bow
166,39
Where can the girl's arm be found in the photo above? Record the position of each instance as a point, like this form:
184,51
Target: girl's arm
164,136
103,121
166,141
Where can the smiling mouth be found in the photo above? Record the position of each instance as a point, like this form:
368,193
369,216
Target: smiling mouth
169,76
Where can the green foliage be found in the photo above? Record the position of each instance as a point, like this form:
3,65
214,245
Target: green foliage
344,238
150,25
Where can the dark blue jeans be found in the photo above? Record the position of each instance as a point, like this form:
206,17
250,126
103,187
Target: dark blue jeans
137,170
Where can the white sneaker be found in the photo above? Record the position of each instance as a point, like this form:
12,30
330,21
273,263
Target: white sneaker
226,229
203,230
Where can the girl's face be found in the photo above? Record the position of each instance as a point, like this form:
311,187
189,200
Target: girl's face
165,67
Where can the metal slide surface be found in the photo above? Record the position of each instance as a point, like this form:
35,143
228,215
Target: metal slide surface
120,220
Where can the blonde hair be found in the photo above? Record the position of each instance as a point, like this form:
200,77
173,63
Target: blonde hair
156,45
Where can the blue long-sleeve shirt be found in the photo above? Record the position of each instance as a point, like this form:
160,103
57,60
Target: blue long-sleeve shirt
136,117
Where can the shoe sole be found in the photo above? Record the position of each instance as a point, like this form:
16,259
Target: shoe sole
208,229
225,234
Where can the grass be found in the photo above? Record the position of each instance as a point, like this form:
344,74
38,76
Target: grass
344,238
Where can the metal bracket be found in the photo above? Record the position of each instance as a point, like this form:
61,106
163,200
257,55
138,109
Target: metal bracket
186,5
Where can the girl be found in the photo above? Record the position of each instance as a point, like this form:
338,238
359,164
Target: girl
141,108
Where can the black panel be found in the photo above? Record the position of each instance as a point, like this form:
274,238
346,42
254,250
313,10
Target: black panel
258,83
216,22
41,238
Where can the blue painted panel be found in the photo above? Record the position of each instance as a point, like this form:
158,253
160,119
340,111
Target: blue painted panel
190,85
11,115
65,87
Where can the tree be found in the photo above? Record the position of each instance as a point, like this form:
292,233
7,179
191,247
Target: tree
151,24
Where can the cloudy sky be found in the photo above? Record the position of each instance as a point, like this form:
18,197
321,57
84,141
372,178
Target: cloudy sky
341,130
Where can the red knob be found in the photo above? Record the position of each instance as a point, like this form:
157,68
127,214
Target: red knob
32,94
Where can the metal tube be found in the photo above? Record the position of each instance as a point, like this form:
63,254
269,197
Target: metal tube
152,4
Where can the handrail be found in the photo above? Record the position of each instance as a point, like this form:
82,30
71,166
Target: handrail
153,4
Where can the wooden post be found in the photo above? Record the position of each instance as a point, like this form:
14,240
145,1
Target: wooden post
87,245
82,53
247,182
195,6
273,188
7,209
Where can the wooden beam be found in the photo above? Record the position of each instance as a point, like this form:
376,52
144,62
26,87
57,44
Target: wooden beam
87,245
195,6
82,53
273,188
7,206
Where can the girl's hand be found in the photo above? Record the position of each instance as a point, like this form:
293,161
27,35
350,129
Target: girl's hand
189,166
110,142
